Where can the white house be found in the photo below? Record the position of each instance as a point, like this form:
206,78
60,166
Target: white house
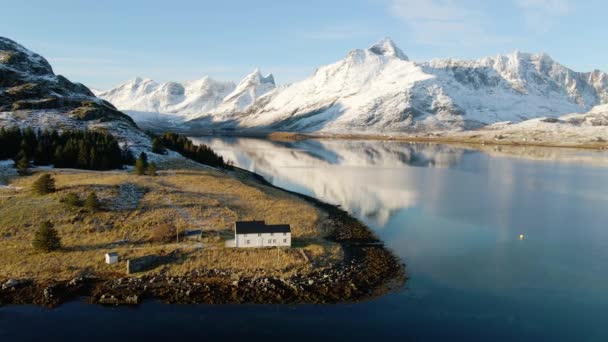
259,234
111,258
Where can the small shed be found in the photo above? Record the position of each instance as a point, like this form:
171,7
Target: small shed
111,258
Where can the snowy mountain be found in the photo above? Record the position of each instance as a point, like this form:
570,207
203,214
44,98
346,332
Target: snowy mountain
379,90
373,91
246,93
165,104
32,95
180,99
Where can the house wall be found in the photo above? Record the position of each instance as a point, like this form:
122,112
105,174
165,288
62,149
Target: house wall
263,240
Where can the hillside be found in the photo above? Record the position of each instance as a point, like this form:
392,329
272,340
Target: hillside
32,95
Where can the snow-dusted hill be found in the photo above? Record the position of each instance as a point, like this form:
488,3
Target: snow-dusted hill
575,129
32,95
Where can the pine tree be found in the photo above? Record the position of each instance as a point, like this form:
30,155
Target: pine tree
58,160
83,160
46,238
91,202
45,184
152,169
22,166
72,199
143,156
157,146
127,155
93,162
140,166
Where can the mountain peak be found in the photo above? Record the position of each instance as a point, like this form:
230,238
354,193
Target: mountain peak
257,77
14,55
386,47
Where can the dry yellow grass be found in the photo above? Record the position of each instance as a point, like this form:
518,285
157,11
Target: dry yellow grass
189,199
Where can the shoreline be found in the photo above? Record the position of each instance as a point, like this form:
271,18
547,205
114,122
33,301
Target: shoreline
368,270
470,138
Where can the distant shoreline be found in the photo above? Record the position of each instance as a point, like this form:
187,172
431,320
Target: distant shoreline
472,138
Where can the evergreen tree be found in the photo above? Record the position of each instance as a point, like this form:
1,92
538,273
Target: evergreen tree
144,157
127,155
91,202
46,238
45,184
72,199
58,160
83,154
140,166
152,169
93,162
22,166
199,153
157,146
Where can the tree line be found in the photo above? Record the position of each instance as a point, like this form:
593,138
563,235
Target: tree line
184,146
81,149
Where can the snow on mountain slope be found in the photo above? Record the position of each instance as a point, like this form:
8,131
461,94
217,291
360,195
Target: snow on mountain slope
179,99
378,90
249,89
32,95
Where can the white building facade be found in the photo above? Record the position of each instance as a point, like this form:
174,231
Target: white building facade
251,234
111,258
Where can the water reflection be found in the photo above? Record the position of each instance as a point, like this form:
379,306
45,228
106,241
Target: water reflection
366,179
453,213
375,179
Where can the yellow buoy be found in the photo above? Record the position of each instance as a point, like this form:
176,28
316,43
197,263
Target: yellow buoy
521,236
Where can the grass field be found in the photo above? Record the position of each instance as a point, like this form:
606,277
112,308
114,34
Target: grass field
193,198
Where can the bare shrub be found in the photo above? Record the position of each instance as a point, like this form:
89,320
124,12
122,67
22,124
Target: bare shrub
164,233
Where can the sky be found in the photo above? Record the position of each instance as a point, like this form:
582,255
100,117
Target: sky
104,43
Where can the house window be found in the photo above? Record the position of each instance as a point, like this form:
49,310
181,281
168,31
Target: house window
284,240
247,242
274,241
271,234
269,241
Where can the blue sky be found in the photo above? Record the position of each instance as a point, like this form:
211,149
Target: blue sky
103,43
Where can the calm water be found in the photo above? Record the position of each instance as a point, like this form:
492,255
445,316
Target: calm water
454,215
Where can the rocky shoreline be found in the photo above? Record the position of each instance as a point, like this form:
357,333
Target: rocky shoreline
368,270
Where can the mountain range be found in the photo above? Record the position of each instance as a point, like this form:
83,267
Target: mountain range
372,91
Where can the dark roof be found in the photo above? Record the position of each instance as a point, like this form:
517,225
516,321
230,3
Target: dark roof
255,227
193,232
112,254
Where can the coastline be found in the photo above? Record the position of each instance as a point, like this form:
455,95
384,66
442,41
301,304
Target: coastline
470,138
368,270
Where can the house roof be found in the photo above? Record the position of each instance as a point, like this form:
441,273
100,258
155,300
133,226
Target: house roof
257,227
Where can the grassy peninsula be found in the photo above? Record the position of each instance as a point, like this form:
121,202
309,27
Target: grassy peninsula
333,258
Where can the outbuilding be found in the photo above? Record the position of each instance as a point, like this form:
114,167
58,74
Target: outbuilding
250,234
111,258
195,235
